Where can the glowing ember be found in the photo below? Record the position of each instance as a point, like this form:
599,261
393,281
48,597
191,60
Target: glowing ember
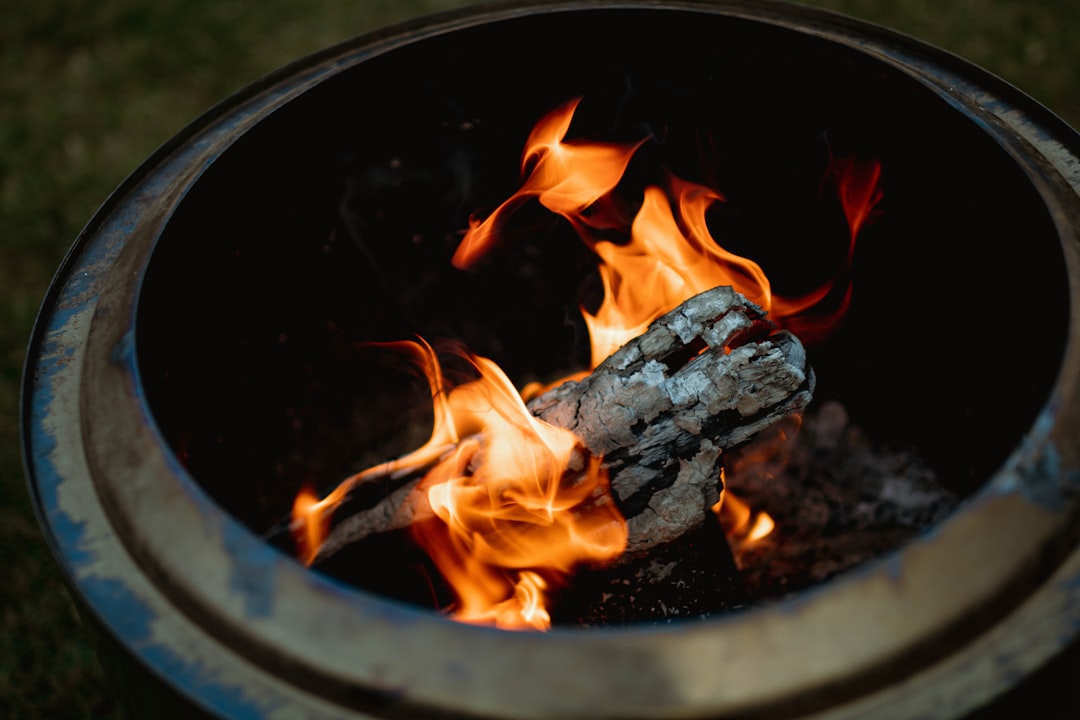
510,505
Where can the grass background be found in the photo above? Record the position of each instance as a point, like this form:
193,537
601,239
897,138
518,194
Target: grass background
89,89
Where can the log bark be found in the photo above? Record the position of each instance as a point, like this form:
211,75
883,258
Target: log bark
707,376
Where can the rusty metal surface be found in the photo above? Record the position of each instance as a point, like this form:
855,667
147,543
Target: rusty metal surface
243,631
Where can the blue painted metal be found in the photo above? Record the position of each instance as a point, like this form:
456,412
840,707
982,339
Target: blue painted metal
52,366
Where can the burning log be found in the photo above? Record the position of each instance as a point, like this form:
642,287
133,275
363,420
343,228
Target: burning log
706,376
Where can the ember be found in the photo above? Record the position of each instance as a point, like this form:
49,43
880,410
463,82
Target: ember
509,505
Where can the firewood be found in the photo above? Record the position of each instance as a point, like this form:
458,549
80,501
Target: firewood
660,410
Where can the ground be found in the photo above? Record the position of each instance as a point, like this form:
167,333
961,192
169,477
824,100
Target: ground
88,89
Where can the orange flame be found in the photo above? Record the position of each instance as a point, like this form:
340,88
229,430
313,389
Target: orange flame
741,523
566,177
515,503
674,265
311,517
762,458
670,251
519,501
308,526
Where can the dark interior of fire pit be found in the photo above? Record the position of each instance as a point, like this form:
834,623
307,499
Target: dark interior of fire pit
332,223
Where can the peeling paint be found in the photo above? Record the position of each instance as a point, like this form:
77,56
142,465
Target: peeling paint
1037,471
253,570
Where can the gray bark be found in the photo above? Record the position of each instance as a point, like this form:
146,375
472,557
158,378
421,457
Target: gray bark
707,376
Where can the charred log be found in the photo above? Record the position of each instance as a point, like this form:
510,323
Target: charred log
839,499
707,376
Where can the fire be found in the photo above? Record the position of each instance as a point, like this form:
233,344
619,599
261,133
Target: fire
763,457
566,177
311,530
740,521
670,250
516,504
857,184
674,265
311,516
519,504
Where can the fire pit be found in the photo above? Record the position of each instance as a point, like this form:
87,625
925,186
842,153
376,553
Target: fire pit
206,354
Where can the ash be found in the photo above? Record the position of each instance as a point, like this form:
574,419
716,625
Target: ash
837,498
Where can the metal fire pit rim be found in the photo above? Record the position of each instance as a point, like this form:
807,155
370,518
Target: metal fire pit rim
89,256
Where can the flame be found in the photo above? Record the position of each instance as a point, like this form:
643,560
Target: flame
566,177
857,184
765,456
670,250
741,523
311,516
762,527
674,265
516,504
308,527
519,502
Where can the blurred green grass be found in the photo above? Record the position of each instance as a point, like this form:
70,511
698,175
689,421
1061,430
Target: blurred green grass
89,89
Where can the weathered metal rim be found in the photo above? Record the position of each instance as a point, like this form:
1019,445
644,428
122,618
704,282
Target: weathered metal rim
248,623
